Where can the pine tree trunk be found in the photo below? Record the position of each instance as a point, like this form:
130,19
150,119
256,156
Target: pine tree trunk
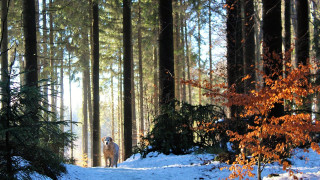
166,58
120,108
4,50
316,35
303,32
234,51
112,105
95,81
272,38
303,42
140,71
127,78
52,73
199,52
177,54
85,64
249,45
70,102
188,61
45,54
183,57
210,49
133,103
62,102
155,80
287,27
5,99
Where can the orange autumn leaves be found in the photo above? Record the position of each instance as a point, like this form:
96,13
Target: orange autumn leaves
294,127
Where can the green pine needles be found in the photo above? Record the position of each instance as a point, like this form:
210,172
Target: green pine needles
30,136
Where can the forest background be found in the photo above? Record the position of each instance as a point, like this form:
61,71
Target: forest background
214,42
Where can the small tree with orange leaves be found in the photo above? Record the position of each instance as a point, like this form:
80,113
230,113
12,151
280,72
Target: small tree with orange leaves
270,138
294,128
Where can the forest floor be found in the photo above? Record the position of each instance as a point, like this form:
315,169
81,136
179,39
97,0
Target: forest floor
193,166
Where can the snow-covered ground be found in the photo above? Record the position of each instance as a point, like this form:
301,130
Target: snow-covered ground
185,167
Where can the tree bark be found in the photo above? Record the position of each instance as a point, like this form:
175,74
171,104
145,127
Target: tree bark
52,63
303,42
127,62
287,27
166,59
210,48
29,27
234,51
249,45
272,49
95,81
4,51
140,70
85,75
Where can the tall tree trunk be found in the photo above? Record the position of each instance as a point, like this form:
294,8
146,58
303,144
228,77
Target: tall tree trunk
155,80
249,45
166,59
183,56
45,54
188,61
120,108
70,102
287,36
85,64
4,49
234,51
89,82
176,36
133,102
272,49
303,32
210,48
29,27
52,73
112,104
127,63
95,81
199,50
140,71
316,35
303,42
62,101
5,99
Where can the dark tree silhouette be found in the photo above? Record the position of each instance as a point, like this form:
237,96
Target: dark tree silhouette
127,65
166,59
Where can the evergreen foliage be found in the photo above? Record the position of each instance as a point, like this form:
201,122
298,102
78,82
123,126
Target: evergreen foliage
29,142
181,127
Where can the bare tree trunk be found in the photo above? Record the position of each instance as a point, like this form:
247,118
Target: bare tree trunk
155,80
95,81
127,78
183,56
52,73
177,54
140,71
199,52
249,45
188,61
112,104
85,64
70,102
210,49
272,39
45,54
166,57
62,102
